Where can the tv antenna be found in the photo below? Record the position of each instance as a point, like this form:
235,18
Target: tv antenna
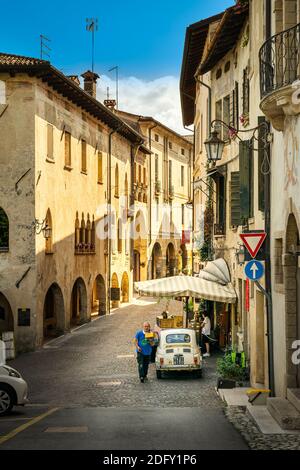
116,68
92,26
45,49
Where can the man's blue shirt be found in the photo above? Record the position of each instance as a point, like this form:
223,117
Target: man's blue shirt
143,343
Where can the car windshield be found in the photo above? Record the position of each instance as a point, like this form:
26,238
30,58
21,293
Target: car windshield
178,338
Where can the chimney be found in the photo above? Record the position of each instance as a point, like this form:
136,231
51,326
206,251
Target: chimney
110,104
74,79
90,82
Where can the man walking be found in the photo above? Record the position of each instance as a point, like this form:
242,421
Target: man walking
143,349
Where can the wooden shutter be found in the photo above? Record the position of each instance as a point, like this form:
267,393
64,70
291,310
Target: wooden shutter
236,103
232,109
235,210
49,141
244,154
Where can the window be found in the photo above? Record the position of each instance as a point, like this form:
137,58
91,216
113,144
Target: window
278,261
227,67
182,175
48,241
261,166
67,149
246,180
182,152
144,176
83,156
178,338
218,74
100,168
219,116
117,181
246,93
120,236
156,167
134,173
50,142
140,174
156,137
182,214
226,116
170,145
221,204
4,231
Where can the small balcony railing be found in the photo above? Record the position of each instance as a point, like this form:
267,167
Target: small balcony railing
219,229
280,60
85,249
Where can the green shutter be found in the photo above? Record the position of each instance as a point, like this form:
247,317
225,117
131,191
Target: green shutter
244,154
235,211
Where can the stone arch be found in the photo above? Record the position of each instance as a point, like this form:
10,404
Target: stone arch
53,312
6,315
291,274
4,231
115,285
170,260
99,296
156,261
78,303
125,288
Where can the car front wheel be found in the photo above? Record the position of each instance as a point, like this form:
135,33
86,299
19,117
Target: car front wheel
6,400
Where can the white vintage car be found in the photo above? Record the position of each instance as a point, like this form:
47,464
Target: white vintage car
178,351
13,389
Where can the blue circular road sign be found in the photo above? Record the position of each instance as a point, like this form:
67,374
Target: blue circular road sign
254,270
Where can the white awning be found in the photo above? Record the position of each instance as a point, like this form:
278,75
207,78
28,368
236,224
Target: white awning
187,286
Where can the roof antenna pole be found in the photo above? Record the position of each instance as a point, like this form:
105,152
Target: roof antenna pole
44,46
92,26
116,68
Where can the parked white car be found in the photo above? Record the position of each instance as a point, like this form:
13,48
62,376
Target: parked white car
178,351
13,389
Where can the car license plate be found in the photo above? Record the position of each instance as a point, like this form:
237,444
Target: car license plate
178,360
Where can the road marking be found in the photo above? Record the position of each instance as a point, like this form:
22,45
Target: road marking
121,356
79,429
27,425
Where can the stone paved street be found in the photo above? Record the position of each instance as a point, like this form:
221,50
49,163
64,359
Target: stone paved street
83,368
87,384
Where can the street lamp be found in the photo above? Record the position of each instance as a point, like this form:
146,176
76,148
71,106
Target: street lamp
43,227
214,147
240,255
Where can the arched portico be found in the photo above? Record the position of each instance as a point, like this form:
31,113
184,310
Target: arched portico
78,303
54,312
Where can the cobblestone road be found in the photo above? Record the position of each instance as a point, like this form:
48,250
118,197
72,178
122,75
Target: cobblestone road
92,367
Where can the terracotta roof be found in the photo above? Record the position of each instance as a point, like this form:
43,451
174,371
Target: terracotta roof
43,70
195,39
12,59
225,37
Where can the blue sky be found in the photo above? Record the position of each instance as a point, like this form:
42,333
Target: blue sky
145,39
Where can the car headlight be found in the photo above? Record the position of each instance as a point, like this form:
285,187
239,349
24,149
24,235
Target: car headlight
12,372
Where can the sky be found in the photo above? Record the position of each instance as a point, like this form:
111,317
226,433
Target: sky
144,39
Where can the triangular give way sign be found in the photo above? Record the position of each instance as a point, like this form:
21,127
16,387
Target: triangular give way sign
253,241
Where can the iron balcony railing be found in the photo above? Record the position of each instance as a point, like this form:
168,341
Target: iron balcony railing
280,60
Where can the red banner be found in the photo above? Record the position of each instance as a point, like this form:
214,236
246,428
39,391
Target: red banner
247,296
186,237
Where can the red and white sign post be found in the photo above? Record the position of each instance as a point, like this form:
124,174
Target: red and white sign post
253,241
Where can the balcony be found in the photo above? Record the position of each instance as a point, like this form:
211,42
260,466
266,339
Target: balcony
280,76
219,230
85,249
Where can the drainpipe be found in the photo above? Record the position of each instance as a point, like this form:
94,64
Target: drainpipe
191,192
268,279
109,213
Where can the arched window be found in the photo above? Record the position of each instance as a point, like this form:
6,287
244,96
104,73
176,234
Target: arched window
140,174
120,235
88,233
77,232
145,176
93,238
117,181
82,233
4,231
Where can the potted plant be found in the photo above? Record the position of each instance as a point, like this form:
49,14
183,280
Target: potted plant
230,372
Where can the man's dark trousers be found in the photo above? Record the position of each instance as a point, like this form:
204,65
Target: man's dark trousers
143,364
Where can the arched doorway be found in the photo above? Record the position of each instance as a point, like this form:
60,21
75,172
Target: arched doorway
140,248
78,303
99,296
125,288
116,293
4,231
156,261
54,312
6,316
170,260
292,299
136,266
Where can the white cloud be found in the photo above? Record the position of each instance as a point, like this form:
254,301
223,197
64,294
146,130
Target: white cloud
158,98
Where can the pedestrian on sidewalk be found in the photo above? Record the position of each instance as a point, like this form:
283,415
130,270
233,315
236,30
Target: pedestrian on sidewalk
206,327
143,350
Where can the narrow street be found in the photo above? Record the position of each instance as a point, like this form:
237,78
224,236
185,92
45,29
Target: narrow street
87,380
